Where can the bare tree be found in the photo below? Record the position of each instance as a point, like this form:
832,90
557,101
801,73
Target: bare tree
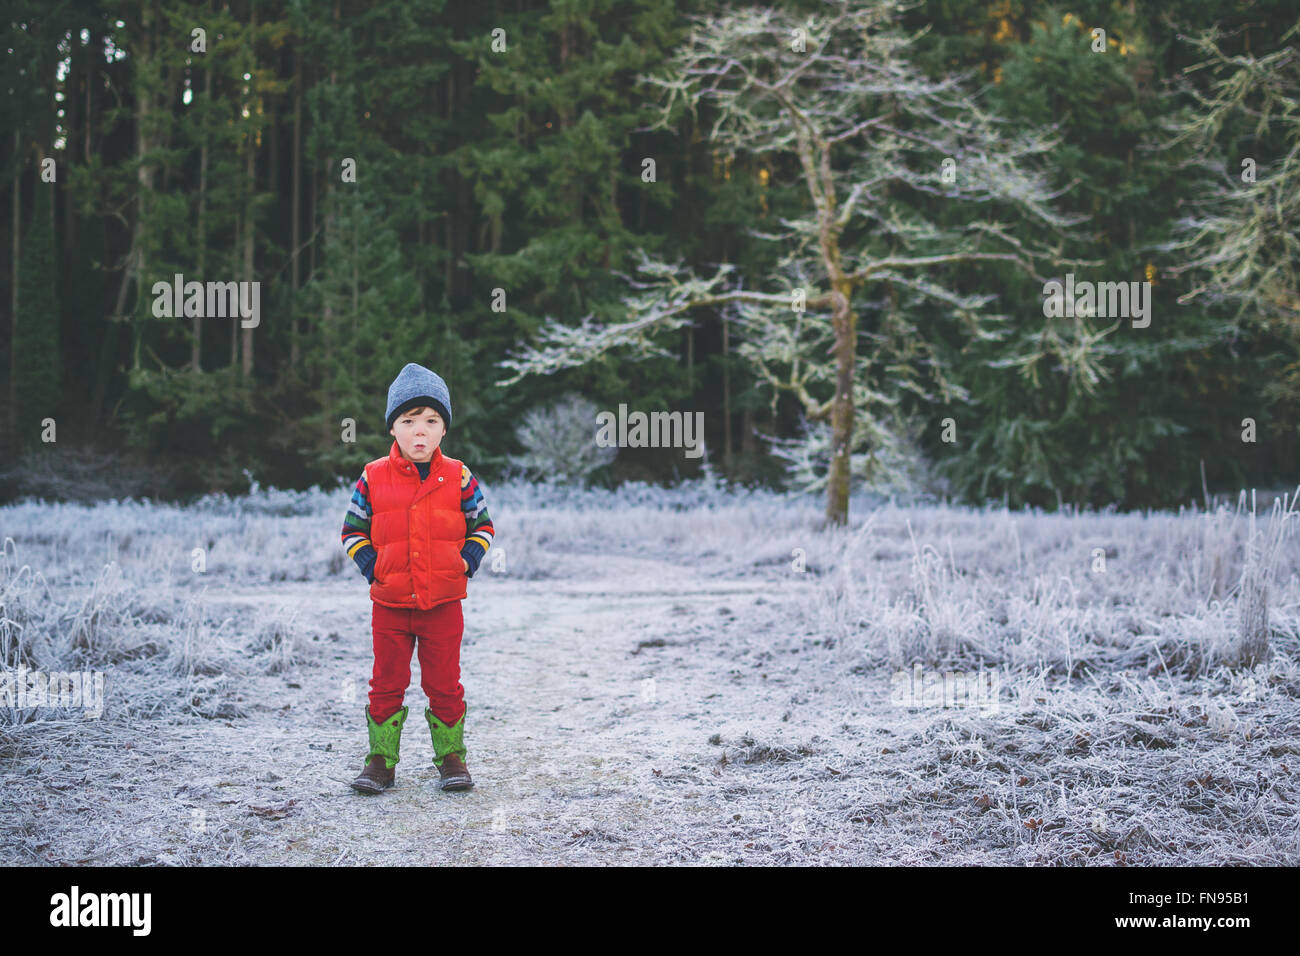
871,134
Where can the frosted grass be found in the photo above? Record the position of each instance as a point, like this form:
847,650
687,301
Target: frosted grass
1147,713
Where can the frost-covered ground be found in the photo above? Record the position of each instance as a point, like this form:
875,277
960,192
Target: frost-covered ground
651,678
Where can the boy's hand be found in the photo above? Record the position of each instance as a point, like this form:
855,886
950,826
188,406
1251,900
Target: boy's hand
466,563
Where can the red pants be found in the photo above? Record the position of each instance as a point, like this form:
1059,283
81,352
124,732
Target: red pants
437,632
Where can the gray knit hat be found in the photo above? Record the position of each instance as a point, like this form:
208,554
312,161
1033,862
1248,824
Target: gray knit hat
414,386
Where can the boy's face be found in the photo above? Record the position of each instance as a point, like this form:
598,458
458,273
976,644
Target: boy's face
418,432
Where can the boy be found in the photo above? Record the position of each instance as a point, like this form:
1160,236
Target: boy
417,528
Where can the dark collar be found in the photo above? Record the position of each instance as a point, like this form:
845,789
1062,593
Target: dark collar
404,464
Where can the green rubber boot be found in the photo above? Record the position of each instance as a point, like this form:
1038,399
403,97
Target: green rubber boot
383,756
449,751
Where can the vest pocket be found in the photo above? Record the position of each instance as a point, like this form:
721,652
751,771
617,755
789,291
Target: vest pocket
394,558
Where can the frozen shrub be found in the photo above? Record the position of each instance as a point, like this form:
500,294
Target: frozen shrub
560,441
885,460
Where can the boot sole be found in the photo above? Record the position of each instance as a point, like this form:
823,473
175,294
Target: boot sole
370,787
457,783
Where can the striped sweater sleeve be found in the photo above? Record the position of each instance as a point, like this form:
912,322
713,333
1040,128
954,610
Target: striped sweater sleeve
478,526
356,529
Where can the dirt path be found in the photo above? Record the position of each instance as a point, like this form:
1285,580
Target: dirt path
591,703
631,711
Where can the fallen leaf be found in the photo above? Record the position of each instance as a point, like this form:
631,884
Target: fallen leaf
273,811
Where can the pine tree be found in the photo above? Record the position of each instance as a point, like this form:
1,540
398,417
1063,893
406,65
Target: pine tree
554,165
374,327
37,380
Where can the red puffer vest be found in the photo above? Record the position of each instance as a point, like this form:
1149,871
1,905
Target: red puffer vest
418,529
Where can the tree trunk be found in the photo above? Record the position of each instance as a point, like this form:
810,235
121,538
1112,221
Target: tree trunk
295,227
250,170
845,322
616,214
13,305
328,433
247,368
196,328
87,114
137,264
726,394
448,270
273,151
690,360
311,216
72,123
356,291
234,325
566,122
449,263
